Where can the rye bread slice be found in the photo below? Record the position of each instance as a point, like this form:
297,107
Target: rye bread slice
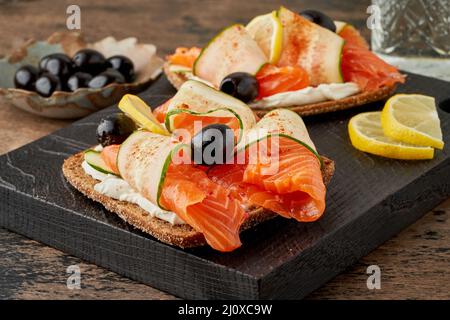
182,236
177,79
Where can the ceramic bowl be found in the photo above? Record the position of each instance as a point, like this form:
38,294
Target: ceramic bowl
72,105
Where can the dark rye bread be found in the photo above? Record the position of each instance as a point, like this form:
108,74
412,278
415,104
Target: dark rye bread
177,79
178,235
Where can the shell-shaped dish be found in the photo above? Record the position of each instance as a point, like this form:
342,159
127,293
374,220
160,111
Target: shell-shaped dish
72,105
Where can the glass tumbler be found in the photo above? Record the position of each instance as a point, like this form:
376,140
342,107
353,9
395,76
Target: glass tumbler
414,35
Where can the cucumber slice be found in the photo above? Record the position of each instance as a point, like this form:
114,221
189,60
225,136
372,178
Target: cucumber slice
200,99
283,123
320,51
143,160
94,159
179,69
232,50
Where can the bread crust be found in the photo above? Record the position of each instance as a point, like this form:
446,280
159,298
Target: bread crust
182,236
177,79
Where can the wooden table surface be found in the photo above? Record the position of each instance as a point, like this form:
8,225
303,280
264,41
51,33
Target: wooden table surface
414,265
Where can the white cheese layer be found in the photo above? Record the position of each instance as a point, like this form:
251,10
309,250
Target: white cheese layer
117,188
321,93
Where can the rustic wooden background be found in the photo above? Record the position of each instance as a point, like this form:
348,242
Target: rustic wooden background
414,265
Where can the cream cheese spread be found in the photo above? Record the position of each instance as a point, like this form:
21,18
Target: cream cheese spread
117,188
321,93
309,95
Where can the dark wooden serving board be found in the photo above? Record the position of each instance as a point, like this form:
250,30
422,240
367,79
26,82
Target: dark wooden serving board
369,200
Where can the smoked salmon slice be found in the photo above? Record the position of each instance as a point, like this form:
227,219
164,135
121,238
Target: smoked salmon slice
185,56
203,204
296,190
272,80
161,111
194,123
109,156
362,66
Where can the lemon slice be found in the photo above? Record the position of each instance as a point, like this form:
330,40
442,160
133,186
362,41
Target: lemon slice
412,118
267,31
141,113
366,134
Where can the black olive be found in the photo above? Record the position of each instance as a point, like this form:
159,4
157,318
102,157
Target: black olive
124,65
240,85
25,77
58,64
105,78
78,80
319,18
46,84
114,129
90,61
44,60
213,145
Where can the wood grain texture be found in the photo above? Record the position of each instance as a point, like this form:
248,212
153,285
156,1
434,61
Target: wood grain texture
414,264
30,270
279,259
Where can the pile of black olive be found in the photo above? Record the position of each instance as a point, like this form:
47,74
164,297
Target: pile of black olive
87,69
244,86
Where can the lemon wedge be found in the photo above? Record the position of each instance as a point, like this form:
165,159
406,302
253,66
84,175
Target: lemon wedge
366,134
141,113
412,118
267,31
